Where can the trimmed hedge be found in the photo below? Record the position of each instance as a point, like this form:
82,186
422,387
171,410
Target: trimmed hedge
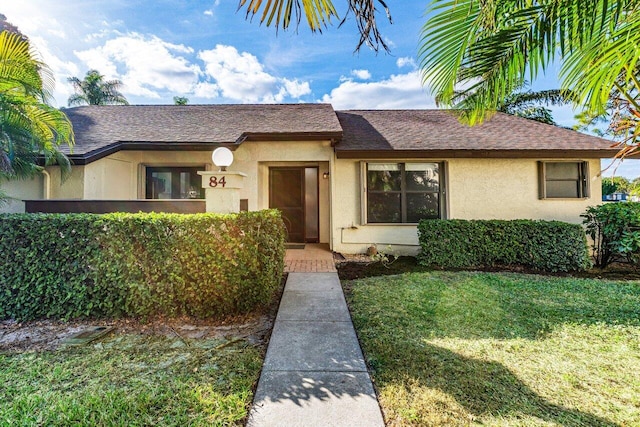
83,265
541,245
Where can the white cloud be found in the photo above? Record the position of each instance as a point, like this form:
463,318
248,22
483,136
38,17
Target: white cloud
206,90
399,91
361,74
296,88
406,61
241,77
60,68
147,65
74,37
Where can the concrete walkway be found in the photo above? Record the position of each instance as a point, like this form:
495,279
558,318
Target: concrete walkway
314,372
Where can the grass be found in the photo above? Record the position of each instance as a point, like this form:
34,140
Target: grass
463,348
130,380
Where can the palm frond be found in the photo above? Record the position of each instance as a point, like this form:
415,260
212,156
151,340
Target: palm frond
281,13
489,47
29,126
318,15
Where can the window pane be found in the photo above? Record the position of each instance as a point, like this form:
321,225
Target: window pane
384,207
383,166
424,180
383,180
562,170
161,185
433,167
288,191
174,183
562,189
422,206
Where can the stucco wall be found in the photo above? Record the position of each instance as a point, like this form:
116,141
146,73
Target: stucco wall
71,188
475,189
36,188
23,189
121,175
110,179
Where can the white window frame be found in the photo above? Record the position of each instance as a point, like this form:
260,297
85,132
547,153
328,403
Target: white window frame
442,193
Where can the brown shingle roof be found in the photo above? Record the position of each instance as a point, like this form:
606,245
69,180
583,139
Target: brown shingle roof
100,127
101,130
433,132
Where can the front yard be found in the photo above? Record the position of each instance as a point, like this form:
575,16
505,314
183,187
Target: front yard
145,375
464,348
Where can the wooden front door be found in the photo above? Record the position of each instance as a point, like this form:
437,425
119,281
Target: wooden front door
286,193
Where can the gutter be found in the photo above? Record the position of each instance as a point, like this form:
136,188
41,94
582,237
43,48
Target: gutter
46,184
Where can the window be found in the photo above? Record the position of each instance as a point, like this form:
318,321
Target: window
403,192
564,180
174,183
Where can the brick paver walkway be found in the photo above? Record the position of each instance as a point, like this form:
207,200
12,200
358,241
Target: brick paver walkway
314,258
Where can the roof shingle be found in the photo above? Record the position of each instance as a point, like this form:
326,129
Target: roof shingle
100,130
97,127
438,130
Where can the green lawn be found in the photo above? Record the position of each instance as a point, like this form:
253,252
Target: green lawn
130,380
464,348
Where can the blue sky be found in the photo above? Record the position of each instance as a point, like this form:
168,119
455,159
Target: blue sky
208,52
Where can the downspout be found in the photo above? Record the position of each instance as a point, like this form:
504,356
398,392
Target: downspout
47,184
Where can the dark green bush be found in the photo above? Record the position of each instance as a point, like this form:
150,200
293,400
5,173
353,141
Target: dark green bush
614,229
82,265
540,245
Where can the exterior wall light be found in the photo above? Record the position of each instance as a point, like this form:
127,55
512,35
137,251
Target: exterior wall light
222,157
325,175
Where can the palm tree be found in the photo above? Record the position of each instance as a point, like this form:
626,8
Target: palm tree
490,47
533,105
180,100
528,104
29,126
94,90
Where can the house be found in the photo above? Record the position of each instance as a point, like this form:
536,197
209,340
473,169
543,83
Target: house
346,178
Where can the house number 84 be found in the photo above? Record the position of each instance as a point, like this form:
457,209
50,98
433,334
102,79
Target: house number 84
214,181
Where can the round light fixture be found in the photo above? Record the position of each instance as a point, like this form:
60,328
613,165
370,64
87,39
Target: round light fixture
222,157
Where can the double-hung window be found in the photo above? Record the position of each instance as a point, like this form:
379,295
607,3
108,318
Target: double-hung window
564,180
403,192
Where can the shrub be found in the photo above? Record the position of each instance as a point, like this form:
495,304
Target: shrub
83,265
541,245
614,229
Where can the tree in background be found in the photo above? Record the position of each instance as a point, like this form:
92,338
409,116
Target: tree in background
29,126
616,184
94,90
531,104
8,26
621,116
180,100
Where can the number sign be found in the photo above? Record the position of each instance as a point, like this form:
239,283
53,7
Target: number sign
215,181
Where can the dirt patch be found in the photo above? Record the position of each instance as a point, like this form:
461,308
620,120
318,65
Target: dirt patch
50,334
42,335
353,267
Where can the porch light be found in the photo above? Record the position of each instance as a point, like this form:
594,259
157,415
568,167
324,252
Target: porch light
222,157
325,175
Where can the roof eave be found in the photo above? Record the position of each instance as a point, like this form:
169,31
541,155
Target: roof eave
97,154
474,154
